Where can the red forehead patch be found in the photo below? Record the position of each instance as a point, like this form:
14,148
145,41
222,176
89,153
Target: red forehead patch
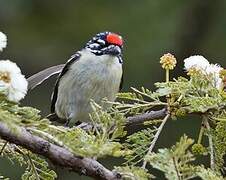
114,39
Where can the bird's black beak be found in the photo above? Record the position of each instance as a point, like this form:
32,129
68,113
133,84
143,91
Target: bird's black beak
113,50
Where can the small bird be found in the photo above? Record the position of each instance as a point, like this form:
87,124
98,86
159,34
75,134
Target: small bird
93,73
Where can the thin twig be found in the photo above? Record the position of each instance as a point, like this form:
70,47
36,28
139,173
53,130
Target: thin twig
156,138
46,135
201,133
33,167
212,163
176,168
142,93
3,147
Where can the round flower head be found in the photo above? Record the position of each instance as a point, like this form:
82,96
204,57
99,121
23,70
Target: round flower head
3,41
197,61
12,83
168,61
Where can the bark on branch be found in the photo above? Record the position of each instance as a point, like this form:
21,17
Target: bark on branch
138,119
56,154
61,156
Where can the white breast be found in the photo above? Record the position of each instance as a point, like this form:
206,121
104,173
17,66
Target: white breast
91,77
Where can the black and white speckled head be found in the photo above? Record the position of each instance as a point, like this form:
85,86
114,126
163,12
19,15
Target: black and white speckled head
105,43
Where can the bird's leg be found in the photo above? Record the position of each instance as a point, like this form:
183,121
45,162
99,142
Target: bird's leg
67,123
85,126
69,119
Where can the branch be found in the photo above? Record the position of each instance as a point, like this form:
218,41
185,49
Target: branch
56,154
62,157
138,119
132,120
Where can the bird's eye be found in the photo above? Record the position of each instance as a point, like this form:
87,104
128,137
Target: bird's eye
94,46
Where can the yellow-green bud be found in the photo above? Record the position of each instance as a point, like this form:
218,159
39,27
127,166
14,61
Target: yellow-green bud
198,149
5,77
194,71
222,74
181,112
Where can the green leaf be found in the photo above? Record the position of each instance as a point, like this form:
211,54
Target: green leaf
138,144
208,174
37,168
133,172
174,162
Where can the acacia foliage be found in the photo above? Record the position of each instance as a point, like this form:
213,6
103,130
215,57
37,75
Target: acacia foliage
182,97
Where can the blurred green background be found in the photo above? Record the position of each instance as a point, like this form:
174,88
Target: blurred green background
43,33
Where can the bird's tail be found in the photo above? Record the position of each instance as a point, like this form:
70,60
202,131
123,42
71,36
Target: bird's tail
41,76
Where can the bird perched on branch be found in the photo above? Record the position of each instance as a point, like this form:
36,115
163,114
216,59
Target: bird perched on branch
94,72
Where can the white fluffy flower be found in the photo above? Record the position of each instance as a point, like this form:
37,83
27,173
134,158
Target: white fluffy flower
12,83
3,41
201,63
197,61
214,70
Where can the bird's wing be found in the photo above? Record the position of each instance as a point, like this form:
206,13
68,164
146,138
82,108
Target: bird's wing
121,83
41,76
74,58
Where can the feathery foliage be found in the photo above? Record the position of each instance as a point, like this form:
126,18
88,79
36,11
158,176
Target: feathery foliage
176,162
219,139
36,167
138,143
134,172
197,94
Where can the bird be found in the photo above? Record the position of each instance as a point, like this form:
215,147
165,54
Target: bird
92,73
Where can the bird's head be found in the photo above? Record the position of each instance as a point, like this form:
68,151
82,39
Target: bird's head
106,43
